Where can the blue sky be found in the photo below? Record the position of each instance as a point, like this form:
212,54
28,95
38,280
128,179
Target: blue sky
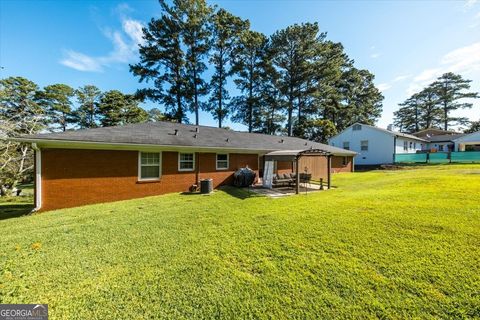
406,44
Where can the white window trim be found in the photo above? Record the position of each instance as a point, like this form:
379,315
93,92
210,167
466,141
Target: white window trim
186,170
228,161
140,167
361,146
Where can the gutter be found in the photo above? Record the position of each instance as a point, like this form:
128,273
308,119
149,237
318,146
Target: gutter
76,144
38,176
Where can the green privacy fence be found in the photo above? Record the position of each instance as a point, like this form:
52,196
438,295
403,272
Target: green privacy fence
438,157
468,156
410,157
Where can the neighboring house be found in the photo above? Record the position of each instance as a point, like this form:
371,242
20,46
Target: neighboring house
375,145
443,143
467,142
116,163
438,140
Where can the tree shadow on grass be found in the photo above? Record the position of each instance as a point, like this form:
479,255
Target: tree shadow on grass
240,193
8,211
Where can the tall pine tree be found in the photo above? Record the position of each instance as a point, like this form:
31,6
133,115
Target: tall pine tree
249,69
450,89
226,32
88,98
194,19
56,99
162,61
294,51
116,108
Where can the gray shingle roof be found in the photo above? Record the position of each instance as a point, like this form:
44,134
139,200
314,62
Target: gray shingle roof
163,134
396,133
445,137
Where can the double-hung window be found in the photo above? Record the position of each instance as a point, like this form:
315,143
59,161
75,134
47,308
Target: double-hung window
346,145
149,164
364,145
186,161
405,145
222,161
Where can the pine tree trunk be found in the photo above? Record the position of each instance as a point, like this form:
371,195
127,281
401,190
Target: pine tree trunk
196,96
445,114
220,88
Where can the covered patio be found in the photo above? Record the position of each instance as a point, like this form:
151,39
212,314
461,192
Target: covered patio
307,164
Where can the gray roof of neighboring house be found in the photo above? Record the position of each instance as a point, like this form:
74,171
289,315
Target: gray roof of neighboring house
445,137
163,134
395,133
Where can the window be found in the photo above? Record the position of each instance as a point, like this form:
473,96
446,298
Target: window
345,161
186,161
222,161
149,165
364,145
357,127
346,145
405,145
440,147
411,145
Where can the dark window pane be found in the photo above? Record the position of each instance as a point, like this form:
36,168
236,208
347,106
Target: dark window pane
150,172
221,157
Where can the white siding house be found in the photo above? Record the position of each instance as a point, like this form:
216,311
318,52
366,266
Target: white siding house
468,142
375,145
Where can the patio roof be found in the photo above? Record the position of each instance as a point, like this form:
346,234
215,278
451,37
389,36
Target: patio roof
291,155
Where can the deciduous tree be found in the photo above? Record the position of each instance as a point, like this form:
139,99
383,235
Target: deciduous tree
19,114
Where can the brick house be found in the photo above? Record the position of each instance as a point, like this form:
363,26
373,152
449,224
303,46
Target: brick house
98,165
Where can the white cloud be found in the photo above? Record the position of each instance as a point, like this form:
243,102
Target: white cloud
476,20
80,61
383,87
427,75
375,55
133,29
401,77
125,47
464,60
470,3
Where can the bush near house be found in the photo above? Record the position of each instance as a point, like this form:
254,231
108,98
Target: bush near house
386,244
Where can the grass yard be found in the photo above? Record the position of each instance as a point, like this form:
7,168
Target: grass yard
385,244
12,207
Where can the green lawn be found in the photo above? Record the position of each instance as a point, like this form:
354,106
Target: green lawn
12,207
384,244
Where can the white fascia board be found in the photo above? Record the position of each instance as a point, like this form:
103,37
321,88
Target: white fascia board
70,144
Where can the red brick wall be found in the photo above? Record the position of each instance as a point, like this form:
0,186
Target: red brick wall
73,177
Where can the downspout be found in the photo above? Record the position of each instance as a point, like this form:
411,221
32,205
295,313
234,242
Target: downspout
297,174
197,168
394,148
38,177
329,173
